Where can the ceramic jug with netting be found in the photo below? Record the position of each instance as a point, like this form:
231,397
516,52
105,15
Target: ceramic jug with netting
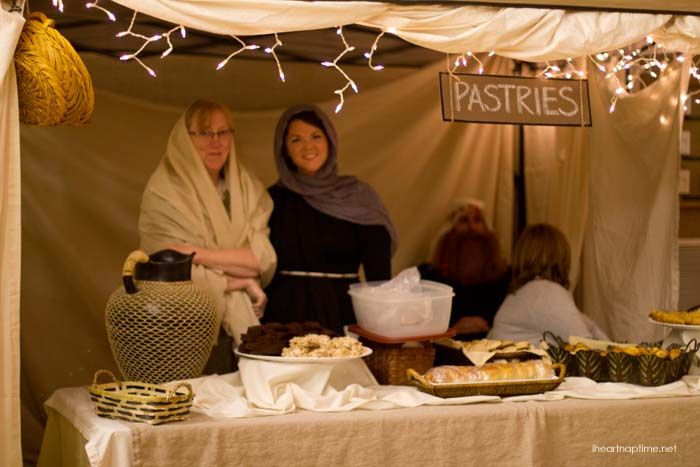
160,325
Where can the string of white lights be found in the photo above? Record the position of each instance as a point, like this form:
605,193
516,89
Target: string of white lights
244,47
271,50
450,68
58,4
695,73
569,72
481,65
334,64
462,60
451,71
146,40
129,31
183,33
94,4
370,54
649,60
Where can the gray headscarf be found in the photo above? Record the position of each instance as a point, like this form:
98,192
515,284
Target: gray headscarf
341,196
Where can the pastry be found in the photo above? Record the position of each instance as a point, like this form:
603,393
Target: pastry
497,371
271,338
672,317
314,345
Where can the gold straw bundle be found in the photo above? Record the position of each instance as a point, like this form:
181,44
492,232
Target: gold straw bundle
54,86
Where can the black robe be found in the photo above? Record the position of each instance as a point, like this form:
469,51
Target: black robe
306,239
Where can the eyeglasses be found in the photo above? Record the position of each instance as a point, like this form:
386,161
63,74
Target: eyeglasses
211,135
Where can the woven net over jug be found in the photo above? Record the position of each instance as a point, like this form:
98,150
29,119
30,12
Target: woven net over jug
162,329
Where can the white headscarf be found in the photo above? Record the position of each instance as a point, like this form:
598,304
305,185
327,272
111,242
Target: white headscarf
181,205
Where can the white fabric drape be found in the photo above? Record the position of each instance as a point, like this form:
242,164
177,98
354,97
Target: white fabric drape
556,183
520,33
681,35
645,5
10,243
631,244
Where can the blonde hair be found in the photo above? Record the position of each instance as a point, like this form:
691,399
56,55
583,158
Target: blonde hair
200,112
541,252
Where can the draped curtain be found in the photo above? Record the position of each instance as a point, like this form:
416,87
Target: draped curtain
10,244
631,240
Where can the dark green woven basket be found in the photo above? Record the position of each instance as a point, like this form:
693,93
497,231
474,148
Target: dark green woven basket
621,367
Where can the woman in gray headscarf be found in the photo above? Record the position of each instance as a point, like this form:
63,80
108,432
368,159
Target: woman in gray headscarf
323,225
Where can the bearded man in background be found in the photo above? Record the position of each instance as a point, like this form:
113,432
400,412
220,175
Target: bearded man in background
467,257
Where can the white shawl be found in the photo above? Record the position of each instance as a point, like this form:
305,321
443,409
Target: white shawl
181,205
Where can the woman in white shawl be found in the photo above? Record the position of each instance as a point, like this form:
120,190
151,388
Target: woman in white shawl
201,200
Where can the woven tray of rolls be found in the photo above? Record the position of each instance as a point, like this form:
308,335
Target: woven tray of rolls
506,387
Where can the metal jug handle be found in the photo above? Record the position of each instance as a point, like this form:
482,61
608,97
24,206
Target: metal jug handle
134,257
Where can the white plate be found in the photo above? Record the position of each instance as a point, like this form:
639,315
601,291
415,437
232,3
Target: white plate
688,327
271,358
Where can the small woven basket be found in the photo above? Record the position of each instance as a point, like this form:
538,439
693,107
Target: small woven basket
54,87
389,362
133,401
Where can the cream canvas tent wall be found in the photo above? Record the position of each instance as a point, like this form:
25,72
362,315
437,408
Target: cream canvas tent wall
611,188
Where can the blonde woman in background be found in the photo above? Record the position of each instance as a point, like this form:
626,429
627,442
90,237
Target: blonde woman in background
539,299
202,200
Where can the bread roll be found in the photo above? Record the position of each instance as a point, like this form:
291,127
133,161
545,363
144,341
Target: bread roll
497,371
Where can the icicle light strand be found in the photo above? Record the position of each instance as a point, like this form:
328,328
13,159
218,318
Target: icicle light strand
463,60
271,50
167,38
334,64
146,40
648,59
243,48
370,54
94,4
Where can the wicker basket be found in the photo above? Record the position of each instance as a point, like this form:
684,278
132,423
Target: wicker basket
615,366
54,86
493,388
389,362
133,401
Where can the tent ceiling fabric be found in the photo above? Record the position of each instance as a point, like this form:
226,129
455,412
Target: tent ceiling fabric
307,29
520,33
89,30
639,6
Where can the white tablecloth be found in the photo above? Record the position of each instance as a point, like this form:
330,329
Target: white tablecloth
305,392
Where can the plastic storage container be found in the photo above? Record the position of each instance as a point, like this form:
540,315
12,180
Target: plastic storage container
397,314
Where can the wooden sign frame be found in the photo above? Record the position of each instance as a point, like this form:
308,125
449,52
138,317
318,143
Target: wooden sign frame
514,100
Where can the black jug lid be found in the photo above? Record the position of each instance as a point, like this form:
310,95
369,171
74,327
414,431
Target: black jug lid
165,266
